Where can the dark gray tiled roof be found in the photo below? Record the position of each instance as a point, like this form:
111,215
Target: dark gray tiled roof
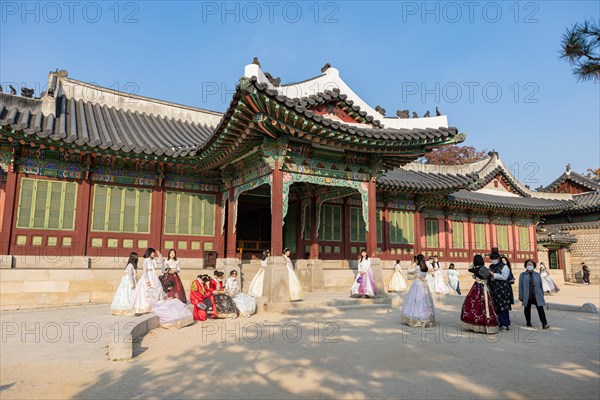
91,124
335,95
586,202
505,203
556,238
403,179
302,106
584,181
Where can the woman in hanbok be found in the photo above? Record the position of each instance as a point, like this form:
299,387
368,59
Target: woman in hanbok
364,283
202,299
397,282
149,290
172,313
547,283
171,268
246,305
418,308
256,286
439,286
295,288
122,303
429,278
501,289
224,304
453,282
478,311
511,278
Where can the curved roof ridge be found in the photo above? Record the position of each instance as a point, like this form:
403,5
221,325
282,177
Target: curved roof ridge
330,80
464,169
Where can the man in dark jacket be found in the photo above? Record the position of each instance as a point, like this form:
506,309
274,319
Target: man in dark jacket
586,274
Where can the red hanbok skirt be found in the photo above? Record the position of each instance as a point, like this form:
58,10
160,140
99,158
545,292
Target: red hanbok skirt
474,316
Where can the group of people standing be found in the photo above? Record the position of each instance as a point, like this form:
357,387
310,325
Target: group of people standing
434,278
486,307
165,295
162,295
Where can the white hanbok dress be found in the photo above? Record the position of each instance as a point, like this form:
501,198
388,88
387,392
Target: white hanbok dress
172,313
245,304
122,303
294,286
547,283
453,279
149,289
364,284
429,279
439,285
418,308
256,286
397,282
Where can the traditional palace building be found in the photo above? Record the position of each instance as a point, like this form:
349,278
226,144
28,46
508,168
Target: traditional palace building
573,236
89,174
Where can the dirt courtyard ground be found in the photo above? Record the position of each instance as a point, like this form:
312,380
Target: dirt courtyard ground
349,355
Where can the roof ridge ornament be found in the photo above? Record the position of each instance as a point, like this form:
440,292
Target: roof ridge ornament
325,68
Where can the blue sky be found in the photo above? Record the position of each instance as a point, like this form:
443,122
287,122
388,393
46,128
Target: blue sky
492,67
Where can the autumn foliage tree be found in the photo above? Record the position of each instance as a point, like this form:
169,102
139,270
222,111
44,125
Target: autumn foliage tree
593,173
453,155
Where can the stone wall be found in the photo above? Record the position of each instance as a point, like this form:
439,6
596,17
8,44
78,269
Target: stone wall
47,261
586,249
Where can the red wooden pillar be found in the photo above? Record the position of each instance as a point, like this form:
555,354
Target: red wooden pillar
277,211
442,236
83,217
533,242
514,231
385,233
372,232
493,236
10,211
470,245
314,243
418,233
231,236
157,219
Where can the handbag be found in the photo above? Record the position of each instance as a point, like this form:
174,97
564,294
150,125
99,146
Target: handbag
359,279
201,306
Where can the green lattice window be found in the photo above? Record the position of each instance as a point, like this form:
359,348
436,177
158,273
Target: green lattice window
431,232
524,238
458,238
480,239
358,232
402,227
121,209
46,204
502,234
331,223
190,214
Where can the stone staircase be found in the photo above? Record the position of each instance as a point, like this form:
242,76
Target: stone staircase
319,302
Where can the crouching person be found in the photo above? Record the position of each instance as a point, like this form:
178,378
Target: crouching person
202,299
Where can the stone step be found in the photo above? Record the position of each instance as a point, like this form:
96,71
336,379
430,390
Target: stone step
317,303
324,309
